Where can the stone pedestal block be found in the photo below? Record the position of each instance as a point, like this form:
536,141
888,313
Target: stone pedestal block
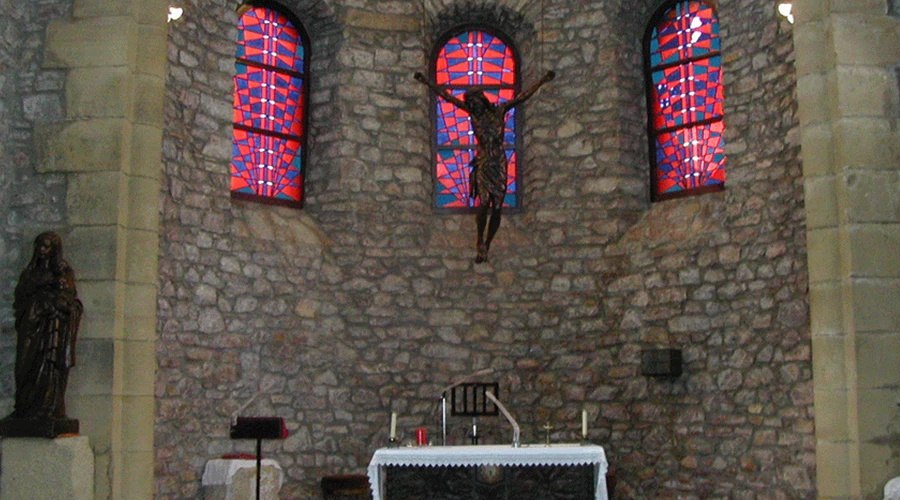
234,479
47,469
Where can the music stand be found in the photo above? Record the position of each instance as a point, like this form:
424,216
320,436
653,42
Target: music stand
258,428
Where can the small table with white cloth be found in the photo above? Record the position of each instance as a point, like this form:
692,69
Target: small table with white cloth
227,479
499,471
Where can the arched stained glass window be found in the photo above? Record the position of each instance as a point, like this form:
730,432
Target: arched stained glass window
685,100
270,96
466,59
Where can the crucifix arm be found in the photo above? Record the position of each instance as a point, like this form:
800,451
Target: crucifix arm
443,94
524,96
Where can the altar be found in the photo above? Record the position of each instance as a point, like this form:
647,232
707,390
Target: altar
569,471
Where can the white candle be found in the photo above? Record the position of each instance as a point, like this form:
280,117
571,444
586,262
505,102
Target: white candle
584,423
394,425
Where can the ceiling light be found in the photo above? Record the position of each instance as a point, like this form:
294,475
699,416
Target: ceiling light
174,14
785,10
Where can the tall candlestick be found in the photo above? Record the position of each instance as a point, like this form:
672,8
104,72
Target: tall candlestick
394,425
584,424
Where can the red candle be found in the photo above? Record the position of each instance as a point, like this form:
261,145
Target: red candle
421,436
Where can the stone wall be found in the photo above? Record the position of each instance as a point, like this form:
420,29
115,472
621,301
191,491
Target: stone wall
31,200
367,302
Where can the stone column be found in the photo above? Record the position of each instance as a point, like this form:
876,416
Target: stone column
110,149
847,54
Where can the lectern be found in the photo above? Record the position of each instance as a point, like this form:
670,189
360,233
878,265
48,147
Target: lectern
258,428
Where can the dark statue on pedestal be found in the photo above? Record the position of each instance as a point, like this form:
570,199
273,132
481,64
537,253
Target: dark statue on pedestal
48,313
487,179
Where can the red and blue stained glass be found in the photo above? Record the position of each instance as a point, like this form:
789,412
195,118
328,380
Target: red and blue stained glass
475,58
688,93
268,100
472,58
690,158
454,127
453,190
269,109
266,36
687,30
272,166
687,99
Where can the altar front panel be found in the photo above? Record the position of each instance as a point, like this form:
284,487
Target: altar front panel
490,482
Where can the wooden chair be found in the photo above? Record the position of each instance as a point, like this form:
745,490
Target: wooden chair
346,487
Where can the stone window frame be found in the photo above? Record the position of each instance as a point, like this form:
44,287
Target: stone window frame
306,76
653,133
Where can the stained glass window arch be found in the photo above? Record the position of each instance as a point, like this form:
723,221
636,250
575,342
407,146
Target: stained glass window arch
685,100
271,88
472,56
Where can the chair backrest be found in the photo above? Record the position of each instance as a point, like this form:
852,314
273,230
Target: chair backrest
469,400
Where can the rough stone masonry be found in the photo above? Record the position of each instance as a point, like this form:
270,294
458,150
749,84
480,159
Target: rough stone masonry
366,301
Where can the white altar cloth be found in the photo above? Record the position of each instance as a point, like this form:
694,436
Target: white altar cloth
220,471
462,456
